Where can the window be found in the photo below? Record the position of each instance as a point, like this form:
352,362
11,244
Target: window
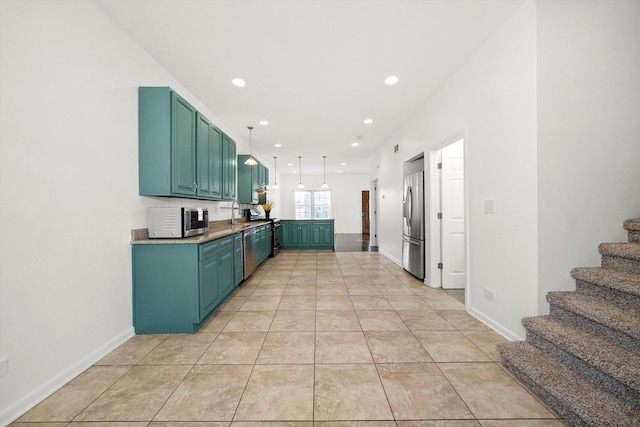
312,204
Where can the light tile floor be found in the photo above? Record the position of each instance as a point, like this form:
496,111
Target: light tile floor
311,339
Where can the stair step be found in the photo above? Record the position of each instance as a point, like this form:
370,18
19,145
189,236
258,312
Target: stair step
579,401
611,366
621,256
619,285
633,230
613,320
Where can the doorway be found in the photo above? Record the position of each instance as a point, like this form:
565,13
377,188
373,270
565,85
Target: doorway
365,212
448,213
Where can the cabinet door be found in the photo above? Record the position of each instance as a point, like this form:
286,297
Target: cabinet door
263,177
216,164
327,235
322,233
284,234
228,168
304,235
209,159
209,293
255,186
183,146
226,273
316,234
247,181
293,234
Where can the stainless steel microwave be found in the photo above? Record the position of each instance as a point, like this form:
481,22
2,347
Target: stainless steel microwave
176,222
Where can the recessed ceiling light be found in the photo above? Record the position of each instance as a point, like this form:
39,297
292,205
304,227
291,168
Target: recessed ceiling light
343,164
263,122
354,144
391,80
339,171
289,164
367,121
238,82
277,145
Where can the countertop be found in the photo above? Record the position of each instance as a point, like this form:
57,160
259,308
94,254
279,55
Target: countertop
217,230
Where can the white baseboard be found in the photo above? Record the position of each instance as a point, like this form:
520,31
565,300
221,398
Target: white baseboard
25,403
388,255
507,333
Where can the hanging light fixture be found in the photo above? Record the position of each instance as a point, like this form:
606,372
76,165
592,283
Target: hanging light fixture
300,173
324,172
250,161
275,185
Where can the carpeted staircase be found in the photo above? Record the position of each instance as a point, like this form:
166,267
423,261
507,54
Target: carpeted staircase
584,358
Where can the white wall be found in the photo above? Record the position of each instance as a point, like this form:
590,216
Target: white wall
588,132
492,100
68,190
346,196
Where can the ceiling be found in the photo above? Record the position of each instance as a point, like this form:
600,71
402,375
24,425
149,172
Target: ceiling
313,69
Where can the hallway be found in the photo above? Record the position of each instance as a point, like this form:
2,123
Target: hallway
311,339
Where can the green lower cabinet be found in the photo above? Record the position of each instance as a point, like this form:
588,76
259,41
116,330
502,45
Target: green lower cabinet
307,234
321,233
263,242
209,293
238,270
177,286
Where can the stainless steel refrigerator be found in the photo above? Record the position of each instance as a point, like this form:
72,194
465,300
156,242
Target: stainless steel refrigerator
413,227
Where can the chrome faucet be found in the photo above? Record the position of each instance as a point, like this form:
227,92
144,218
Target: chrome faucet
233,216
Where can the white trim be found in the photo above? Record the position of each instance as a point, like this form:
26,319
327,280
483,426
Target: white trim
434,203
27,402
388,255
508,334
373,215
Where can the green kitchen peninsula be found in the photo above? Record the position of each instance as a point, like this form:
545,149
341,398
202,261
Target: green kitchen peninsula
307,234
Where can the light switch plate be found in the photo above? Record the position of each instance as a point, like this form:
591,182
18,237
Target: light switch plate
490,207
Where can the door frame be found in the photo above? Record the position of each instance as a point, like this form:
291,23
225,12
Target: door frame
434,222
373,213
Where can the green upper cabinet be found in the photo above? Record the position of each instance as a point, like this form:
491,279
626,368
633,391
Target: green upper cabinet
228,168
180,152
247,181
209,155
183,146
263,177
252,181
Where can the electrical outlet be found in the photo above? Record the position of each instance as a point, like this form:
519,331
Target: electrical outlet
489,294
4,367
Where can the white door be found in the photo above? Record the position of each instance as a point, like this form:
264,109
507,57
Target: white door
452,248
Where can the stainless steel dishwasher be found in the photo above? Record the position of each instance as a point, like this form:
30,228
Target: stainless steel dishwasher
250,249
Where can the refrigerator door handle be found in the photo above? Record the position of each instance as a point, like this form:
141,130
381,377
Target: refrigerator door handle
408,206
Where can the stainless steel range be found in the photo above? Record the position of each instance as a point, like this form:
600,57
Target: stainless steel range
275,237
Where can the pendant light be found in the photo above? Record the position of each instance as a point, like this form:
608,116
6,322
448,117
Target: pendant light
275,185
250,161
300,166
324,172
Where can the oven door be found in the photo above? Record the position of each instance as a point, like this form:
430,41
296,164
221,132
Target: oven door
275,238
